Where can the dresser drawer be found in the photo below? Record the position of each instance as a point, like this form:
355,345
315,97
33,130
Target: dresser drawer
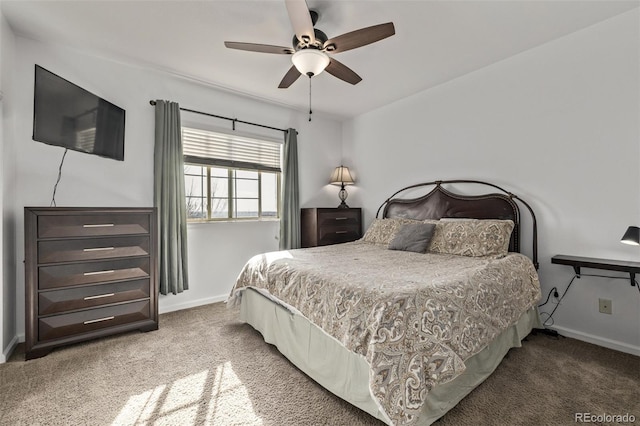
92,249
89,225
92,272
56,301
84,321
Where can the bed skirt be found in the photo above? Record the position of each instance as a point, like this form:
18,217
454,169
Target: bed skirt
346,374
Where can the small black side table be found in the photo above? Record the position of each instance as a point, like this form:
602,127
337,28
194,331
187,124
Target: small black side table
578,262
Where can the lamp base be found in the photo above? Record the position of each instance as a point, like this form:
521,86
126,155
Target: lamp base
343,196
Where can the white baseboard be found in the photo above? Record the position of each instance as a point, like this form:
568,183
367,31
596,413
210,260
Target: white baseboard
6,354
597,340
193,303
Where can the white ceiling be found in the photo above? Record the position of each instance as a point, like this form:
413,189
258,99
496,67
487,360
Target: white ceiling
435,41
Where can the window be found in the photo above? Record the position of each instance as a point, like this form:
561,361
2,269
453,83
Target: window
230,176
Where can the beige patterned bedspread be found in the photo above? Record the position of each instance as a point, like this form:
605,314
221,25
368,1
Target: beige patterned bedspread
414,317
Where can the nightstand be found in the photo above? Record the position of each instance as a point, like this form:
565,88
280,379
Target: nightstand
324,226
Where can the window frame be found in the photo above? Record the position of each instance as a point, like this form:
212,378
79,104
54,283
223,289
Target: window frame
231,195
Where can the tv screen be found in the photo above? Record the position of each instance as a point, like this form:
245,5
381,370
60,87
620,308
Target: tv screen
66,115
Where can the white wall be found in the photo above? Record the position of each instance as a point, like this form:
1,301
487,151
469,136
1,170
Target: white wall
7,194
217,250
557,125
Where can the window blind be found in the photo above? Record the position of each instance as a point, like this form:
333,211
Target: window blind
227,150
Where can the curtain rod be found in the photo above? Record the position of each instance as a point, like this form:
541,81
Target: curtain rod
235,120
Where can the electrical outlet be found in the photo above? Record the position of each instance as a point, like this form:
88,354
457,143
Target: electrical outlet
605,306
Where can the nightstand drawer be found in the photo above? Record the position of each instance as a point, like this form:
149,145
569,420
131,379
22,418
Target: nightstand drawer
57,301
92,249
84,321
338,217
337,234
92,225
92,272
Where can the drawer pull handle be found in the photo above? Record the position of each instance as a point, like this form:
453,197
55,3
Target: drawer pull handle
99,296
342,218
341,232
111,271
98,225
99,249
98,320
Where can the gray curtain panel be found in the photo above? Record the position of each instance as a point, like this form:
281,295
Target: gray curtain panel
169,198
290,220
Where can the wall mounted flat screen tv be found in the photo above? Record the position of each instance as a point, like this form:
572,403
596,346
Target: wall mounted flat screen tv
67,115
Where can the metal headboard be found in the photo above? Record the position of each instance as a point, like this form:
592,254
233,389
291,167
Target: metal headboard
441,203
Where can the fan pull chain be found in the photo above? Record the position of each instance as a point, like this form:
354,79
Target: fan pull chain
310,112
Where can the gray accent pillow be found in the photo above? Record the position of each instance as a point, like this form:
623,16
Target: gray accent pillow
413,237
382,231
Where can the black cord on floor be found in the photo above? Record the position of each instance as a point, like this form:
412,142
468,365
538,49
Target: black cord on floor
55,187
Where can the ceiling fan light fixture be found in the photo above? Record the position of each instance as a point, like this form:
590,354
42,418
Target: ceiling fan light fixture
310,61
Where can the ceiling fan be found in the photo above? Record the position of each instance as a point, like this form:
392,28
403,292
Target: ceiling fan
311,46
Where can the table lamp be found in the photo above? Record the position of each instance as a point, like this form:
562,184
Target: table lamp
341,176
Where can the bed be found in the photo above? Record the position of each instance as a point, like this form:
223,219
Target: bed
402,334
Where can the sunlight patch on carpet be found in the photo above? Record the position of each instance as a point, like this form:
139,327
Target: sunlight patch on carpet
200,398
139,408
230,401
184,393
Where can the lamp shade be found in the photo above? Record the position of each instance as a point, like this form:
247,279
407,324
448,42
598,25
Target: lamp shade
632,236
341,176
310,61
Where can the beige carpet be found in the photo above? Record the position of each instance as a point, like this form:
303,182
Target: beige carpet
204,367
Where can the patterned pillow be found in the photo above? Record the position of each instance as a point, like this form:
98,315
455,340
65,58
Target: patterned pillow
382,231
473,237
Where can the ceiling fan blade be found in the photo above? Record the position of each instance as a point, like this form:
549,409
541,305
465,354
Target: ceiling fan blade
343,72
301,20
263,48
289,78
359,38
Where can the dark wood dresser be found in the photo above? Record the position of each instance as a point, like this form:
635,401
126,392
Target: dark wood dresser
324,226
89,272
